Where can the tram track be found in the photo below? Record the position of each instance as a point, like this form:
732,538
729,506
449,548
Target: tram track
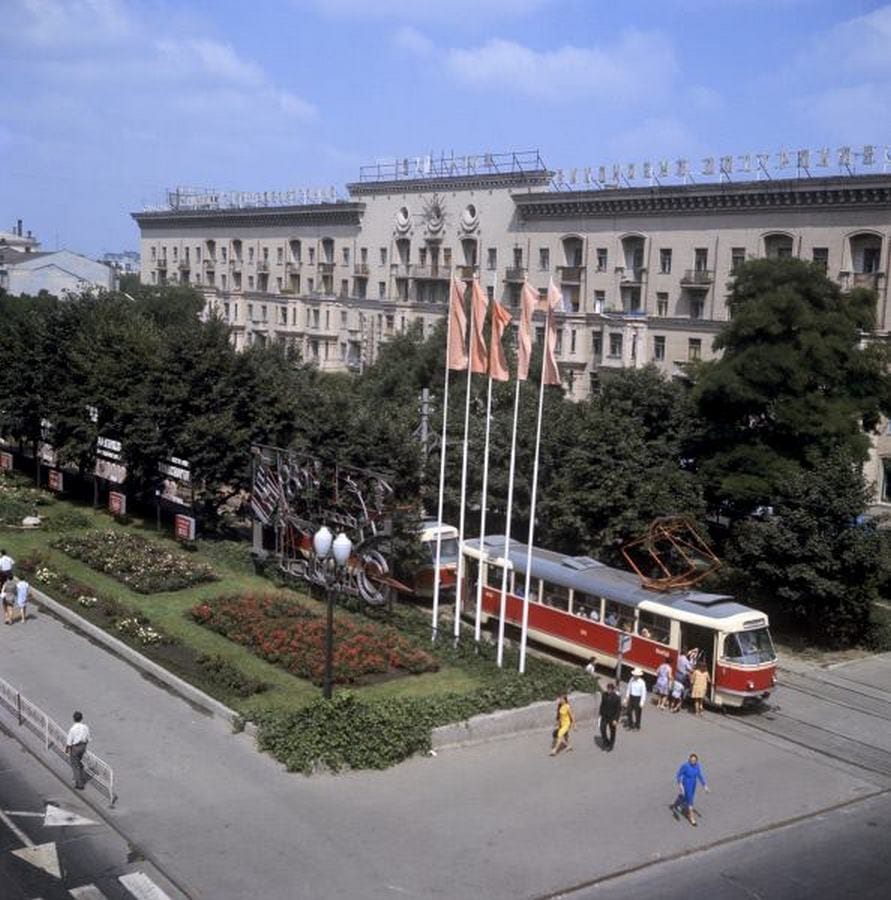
829,691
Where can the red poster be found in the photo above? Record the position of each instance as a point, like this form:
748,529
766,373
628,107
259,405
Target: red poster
54,480
6,461
117,503
184,528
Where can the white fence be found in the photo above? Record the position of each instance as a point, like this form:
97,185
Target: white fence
30,716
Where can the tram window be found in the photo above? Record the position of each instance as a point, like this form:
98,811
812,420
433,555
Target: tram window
587,606
749,647
493,577
520,587
653,626
557,596
618,615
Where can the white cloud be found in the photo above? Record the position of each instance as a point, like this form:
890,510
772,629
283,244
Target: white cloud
442,11
639,64
412,40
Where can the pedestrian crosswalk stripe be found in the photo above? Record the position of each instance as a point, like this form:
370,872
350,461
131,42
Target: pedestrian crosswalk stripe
87,892
142,887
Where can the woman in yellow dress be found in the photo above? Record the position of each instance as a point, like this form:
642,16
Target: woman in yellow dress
698,686
565,721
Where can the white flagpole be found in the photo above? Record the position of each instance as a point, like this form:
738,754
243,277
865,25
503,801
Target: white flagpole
483,496
502,611
442,467
460,585
525,627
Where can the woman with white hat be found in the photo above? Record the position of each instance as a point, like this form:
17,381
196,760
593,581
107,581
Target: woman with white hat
635,697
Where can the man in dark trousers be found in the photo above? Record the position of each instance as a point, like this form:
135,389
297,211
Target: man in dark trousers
610,710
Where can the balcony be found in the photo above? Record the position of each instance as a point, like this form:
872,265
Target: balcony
326,268
361,270
235,265
262,265
184,265
431,272
293,265
400,270
515,274
866,279
631,275
698,279
210,262
161,263
467,272
571,274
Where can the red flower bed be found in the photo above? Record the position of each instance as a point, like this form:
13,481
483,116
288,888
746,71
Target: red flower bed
291,636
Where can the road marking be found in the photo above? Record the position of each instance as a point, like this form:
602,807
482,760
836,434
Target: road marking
52,816
142,887
43,856
87,892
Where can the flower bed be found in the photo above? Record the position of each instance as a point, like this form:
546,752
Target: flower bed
291,636
142,565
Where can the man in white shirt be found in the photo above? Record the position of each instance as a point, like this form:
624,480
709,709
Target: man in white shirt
75,747
6,564
635,697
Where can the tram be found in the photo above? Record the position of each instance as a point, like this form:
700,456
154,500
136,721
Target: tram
585,608
422,583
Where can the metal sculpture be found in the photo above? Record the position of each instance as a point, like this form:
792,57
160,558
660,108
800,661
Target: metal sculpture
295,493
671,555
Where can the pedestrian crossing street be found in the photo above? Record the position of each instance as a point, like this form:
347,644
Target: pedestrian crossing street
137,884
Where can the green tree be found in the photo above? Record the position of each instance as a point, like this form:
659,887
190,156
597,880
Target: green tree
794,382
813,561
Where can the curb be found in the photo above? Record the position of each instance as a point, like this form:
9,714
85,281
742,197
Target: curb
509,722
137,660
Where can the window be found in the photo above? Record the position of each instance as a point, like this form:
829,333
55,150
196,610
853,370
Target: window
696,308
250,254
446,256
308,316
343,318
520,586
737,258
315,318
381,289
278,283
514,292
344,287
599,301
389,328
601,259
226,311
749,647
311,285
383,256
597,344
251,311
665,262
886,479
556,595
263,312
659,347
662,304
700,259
821,258
312,255
539,334
558,344
223,253
154,252
422,256
265,254
283,315
653,627
615,345
618,615
363,255
223,281
250,282
175,253
518,257
871,257
572,340
492,259
197,254
346,255
694,349
490,293
280,255
587,606
544,259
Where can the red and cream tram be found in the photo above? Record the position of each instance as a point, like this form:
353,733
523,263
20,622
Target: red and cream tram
448,559
583,607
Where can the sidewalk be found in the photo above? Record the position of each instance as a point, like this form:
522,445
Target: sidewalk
494,820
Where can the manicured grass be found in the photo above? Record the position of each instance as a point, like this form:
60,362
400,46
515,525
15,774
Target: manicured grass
170,612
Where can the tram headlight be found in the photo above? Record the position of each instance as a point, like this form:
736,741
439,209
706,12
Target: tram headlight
750,685
773,678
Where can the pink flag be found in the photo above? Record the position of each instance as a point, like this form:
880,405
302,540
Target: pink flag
478,303
497,363
528,304
550,372
455,353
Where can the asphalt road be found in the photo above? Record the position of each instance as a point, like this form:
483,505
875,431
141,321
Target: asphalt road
843,853
91,857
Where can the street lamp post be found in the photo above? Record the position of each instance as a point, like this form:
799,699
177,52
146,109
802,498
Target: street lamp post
333,554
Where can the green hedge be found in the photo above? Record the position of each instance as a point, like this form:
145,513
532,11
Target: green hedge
347,732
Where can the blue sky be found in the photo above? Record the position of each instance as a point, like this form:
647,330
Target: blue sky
106,103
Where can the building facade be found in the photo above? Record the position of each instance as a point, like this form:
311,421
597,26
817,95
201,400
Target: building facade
645,272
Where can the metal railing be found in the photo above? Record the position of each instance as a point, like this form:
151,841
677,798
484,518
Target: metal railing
29,715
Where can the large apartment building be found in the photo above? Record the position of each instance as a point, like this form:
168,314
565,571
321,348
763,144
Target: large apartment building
644,271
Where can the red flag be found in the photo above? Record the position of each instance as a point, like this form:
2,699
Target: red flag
497,363
551,373
455,353
478,303
528,304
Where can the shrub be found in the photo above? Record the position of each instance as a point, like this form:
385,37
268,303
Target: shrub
67,520
222,674
142,565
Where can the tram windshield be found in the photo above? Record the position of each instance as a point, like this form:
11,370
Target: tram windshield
448,550
749,647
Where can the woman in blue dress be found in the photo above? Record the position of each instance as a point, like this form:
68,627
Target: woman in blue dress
688,775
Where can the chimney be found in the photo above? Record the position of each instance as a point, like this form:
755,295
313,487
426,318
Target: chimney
18,227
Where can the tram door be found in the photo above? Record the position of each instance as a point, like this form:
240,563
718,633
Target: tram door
705,639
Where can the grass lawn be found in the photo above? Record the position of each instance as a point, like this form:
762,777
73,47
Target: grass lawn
170,611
